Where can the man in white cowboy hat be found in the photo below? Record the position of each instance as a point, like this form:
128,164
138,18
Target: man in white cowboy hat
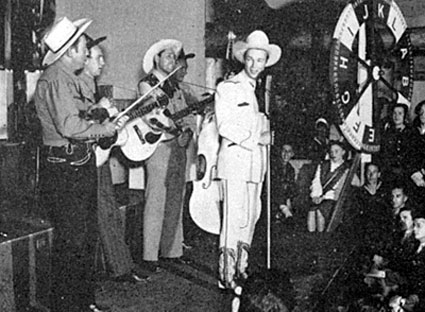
68,172
242,156
165,169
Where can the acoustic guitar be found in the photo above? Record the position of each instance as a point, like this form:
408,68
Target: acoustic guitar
142,139
103,150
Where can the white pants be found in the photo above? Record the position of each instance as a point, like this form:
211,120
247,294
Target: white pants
242,208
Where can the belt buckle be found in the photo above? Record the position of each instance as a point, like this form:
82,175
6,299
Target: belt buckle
82,161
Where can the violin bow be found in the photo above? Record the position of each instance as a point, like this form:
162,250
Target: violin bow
132,105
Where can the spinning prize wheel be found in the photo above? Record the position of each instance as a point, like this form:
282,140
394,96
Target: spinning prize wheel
371,65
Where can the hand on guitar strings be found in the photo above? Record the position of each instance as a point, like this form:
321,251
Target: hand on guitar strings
108,104
120,123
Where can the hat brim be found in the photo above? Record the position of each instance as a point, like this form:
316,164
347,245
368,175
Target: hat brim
158,47
82,25
95,42
189,56
274,52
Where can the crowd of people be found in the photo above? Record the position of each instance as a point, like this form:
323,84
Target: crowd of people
385,213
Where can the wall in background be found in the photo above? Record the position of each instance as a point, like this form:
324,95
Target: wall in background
133,25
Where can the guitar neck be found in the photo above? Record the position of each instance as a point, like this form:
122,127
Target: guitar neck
141,111
188,110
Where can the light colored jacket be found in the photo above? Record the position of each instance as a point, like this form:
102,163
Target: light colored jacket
240,125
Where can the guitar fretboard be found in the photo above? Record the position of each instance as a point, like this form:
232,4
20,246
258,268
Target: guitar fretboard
143,110
194,107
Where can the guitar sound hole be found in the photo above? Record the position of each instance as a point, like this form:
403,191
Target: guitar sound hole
152,137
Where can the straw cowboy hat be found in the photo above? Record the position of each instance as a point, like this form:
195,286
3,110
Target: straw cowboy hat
257,40
157,47
61,36
323,121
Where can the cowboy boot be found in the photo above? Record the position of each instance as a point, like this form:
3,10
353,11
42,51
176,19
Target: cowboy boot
242,260
227,267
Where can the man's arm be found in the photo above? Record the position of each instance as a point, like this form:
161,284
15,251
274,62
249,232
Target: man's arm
63,102
233,122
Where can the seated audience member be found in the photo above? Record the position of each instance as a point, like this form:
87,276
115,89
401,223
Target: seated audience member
267,290
369,205
415,163
326,186
412,297
283,184
371,196
395,143
319,146
387,231
389,268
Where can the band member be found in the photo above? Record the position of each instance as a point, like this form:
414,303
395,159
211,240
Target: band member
165,169
111,231
192,121
67,165
242,156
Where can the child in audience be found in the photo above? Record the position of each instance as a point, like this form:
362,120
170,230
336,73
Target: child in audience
326,186
284,186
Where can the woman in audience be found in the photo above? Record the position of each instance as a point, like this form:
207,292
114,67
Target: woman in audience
394,146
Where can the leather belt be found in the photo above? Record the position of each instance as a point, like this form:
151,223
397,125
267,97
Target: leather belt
73,154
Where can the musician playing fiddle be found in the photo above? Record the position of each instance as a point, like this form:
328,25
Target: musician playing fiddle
165,169
242,156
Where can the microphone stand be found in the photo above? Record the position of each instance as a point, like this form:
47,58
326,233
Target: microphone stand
268,174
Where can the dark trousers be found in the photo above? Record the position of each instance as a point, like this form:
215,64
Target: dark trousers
69,192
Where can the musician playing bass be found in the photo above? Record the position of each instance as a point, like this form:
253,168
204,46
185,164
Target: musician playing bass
165,169
242,155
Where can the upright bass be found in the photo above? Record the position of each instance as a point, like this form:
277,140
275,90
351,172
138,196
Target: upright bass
204,204
205,201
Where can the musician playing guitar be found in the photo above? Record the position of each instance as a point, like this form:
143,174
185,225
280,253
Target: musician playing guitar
165,169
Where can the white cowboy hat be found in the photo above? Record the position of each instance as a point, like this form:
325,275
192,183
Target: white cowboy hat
61,36
321,120
157,47
257,40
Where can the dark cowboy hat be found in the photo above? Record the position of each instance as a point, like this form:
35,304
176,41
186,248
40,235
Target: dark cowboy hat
94,42
183,55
